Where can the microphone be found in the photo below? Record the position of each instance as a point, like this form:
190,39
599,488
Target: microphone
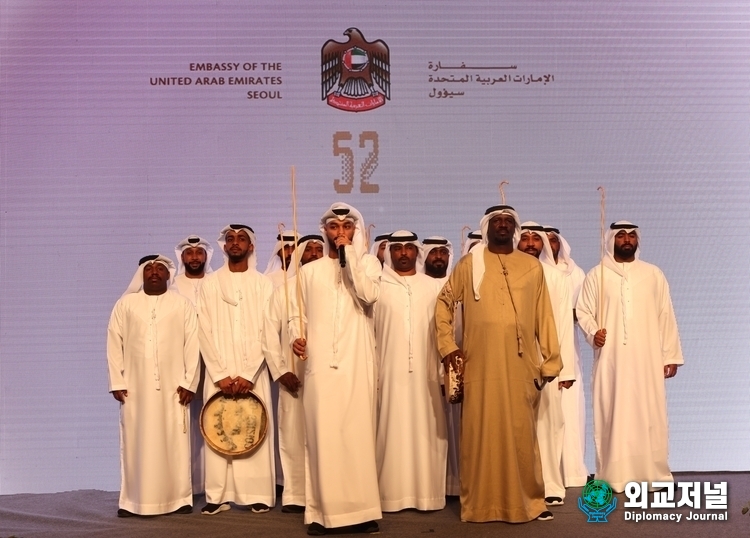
342,256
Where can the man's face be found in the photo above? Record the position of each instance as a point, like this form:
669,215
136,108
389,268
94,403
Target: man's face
155,278
626,244
286,257
501,229
436,262
531,243
554,243
313,251
336,228
194,260
381,252
238,246
403,257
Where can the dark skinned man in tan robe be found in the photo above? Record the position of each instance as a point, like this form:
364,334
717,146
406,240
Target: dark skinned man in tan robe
507,324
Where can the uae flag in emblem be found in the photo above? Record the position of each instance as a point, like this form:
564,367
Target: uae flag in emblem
355,59
356,74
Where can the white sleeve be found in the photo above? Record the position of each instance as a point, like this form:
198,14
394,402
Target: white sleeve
116,349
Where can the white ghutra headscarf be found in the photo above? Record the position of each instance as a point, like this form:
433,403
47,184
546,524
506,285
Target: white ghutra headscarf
137,282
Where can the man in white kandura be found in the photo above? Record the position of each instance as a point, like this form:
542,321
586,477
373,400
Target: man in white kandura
437,257
231,309
636,347
193,256
281,259
411,441
378,247
193,263
152,354
338,292
287,369
550,421
472,239
276,269
437,253
573,400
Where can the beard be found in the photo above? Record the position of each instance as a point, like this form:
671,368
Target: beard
436,272
237,258
500,240
625,251
197,271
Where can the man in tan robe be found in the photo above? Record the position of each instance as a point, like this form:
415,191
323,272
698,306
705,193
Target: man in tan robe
506,312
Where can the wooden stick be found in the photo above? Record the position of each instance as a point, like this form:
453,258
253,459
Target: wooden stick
296,258
603,248
502,191
368,236
286,292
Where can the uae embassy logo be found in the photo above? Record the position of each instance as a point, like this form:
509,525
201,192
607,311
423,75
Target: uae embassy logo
597,501
356,74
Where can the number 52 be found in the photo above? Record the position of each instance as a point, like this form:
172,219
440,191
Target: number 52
346,183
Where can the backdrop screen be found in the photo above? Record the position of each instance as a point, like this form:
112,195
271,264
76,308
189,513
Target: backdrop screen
126,126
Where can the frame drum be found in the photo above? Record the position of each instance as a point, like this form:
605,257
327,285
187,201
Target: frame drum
234,425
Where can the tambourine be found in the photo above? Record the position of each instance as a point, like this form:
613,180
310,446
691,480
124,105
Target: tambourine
234,425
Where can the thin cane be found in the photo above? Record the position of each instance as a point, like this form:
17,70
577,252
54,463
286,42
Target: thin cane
281,228
296,257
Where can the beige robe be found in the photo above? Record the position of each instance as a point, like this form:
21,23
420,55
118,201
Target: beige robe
501,472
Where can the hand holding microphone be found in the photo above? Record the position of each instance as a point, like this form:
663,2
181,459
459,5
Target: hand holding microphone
341,241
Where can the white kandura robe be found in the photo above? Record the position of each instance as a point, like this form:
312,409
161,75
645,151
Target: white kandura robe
231,336
573,399
550,421
190,288
339,398
411,443
630,404
277,277
453,417
152,348
277,280
290,413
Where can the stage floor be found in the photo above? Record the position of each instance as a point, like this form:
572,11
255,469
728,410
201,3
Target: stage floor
93,513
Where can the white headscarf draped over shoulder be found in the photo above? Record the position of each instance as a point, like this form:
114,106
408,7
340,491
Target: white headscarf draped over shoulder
382,238
190,242
301,246
435,241
477,253
564,254
403,237
341,212
546,256
227,293
472,239
252,260
137,282
614,229
282,240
